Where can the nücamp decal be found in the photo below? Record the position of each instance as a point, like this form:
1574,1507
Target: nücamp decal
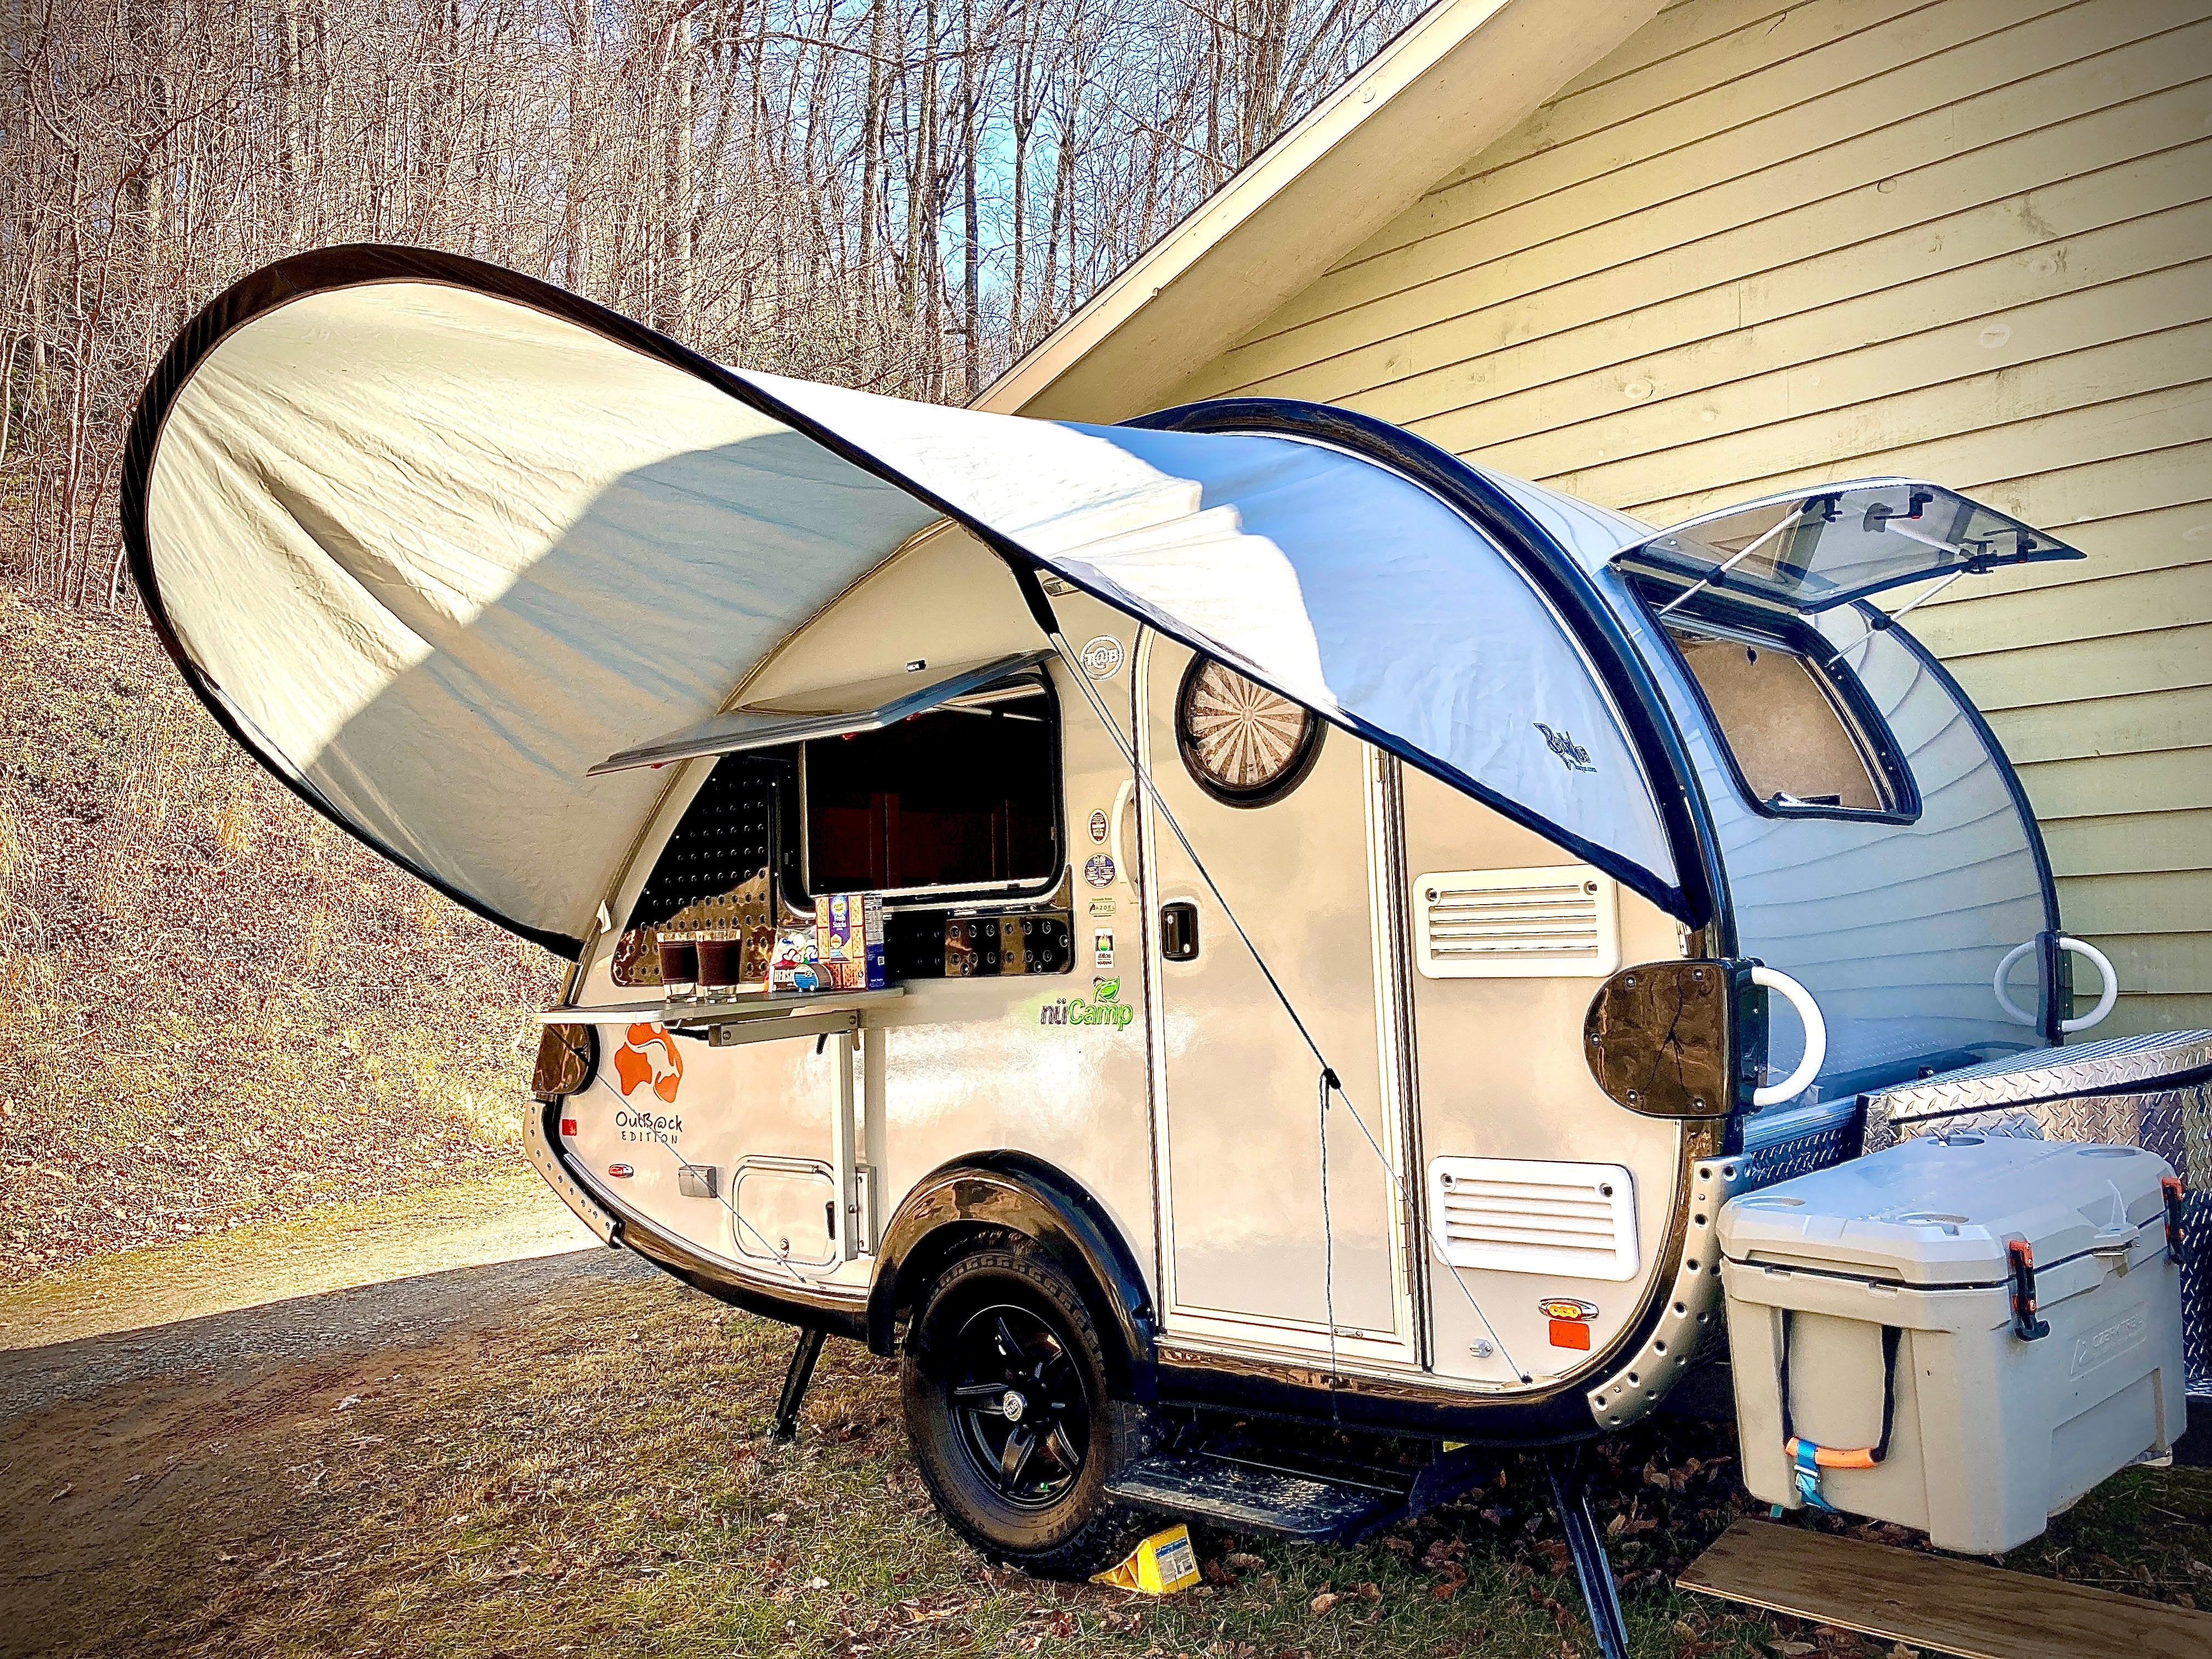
1102,1008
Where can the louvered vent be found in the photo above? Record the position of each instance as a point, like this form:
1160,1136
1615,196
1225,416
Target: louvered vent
1559,920
1532,1216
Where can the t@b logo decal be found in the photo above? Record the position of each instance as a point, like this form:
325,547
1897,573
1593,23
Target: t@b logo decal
649,1056
1101,656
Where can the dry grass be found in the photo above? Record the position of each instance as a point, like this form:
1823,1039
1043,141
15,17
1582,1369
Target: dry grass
213,1004
600,1481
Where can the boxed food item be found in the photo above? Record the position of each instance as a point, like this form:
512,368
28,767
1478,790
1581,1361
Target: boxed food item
848,941
791,965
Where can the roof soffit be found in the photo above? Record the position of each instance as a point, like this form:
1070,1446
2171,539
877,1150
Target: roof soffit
1460,77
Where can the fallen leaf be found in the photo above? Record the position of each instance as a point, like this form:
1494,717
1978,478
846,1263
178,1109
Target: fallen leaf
1242,1562
1324,1601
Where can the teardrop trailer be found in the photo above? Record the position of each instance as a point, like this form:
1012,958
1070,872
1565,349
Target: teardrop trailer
1337,904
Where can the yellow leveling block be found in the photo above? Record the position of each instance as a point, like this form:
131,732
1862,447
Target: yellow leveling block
1161,1566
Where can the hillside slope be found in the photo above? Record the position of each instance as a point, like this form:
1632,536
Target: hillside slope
214,1005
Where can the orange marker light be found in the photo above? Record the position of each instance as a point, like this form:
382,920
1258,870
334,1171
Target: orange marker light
1570,1334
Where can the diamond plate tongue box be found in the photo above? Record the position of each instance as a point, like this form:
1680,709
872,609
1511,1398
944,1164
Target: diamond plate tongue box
1962,1333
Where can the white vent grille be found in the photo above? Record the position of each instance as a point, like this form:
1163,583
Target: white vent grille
1532,1216
1560,921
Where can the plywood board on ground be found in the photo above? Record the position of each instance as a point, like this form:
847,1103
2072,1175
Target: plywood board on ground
1938,1601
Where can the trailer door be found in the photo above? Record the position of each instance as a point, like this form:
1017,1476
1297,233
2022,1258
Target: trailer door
1291,821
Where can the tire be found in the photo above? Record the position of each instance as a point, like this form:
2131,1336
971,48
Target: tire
1021,1479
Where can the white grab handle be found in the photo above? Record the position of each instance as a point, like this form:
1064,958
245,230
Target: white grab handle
1121,797
2080,948
1816,1038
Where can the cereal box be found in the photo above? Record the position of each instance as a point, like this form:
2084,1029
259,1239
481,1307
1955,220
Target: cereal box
848,941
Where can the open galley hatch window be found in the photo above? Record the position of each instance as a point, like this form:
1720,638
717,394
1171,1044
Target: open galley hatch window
1801,735
962,799
965,796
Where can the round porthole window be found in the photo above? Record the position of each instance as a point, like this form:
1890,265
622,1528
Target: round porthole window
1245,744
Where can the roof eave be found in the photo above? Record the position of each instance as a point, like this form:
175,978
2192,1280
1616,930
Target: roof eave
1460,76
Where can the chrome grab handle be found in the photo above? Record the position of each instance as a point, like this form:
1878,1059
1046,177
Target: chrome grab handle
1122,798
1816,1038
2080,948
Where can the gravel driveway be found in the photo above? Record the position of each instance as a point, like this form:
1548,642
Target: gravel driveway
139,1391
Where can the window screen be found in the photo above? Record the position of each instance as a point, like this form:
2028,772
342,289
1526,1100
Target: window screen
963,796
1787,724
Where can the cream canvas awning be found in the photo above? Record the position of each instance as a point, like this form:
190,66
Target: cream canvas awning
434,540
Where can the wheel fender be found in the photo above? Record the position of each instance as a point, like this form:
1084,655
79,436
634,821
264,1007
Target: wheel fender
1018,1193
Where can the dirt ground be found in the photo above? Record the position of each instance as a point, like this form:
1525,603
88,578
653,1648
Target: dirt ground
381,1433
154,1408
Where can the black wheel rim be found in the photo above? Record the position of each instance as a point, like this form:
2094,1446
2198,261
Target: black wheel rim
1016,1398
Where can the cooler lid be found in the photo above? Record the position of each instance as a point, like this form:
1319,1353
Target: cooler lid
1940,1210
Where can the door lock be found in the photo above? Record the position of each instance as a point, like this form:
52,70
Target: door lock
1179,930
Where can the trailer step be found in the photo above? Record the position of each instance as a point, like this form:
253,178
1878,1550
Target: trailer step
1200,1486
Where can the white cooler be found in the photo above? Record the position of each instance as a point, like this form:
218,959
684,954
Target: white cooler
2004,1314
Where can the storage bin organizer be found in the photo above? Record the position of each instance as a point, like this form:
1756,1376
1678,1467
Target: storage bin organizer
1963,1334
2152,1091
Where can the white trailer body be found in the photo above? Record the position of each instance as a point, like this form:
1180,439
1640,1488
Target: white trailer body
1330,891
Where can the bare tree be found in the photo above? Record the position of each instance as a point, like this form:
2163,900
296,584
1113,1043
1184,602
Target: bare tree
902,194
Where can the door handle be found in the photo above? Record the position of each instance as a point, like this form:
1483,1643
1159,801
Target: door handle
1816,1038
2066,942
1179,930
1122,798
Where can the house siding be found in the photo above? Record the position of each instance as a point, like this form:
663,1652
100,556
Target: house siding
1760,246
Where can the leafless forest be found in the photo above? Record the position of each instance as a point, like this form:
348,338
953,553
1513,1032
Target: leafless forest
895,194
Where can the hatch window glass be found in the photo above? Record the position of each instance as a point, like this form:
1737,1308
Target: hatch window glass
965,796
1790,723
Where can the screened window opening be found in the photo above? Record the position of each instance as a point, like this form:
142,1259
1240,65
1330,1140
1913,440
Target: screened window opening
1795,739
966,795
